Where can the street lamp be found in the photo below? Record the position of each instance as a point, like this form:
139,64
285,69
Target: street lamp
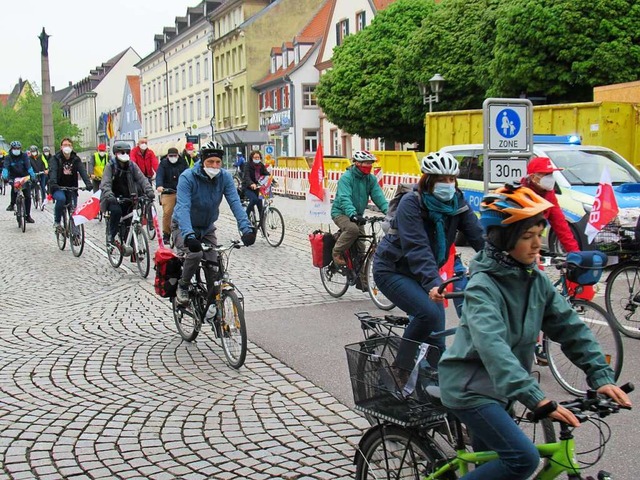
436,85
265,114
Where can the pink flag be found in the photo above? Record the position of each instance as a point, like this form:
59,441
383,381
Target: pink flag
88,210
605,207
316,176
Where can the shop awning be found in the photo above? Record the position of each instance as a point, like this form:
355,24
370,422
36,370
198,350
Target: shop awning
236,138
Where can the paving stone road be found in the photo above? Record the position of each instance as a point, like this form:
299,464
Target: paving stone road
96,383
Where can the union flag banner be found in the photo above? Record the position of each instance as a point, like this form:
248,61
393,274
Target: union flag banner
110,128
88,210
316,176
605,207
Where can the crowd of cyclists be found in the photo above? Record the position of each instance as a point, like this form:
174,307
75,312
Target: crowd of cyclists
507,301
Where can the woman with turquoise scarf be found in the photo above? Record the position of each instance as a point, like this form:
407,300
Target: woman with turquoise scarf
407,260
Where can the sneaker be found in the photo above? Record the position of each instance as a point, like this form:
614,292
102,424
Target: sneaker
338,259
10,208
541,356
166,238
30,220
182,294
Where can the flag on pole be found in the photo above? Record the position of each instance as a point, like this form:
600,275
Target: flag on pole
88,210
110,129
316,176
605,207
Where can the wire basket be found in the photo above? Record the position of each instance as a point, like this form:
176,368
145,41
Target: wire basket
615,239
388,391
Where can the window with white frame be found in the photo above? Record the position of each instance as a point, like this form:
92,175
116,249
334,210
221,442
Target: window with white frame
198,71
207,107
190,75
129,99
342,30
191,116
310,138
361,20
284,97
336,148
309,96
199,108
205,65
184,78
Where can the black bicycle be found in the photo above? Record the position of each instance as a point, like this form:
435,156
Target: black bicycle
36,200
359,268
147,210
68,228
21,215
221,307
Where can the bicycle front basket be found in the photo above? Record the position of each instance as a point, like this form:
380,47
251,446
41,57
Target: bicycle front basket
389,376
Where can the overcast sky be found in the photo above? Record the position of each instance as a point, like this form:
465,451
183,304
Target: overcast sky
84,34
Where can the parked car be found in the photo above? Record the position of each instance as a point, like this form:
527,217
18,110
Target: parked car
576,185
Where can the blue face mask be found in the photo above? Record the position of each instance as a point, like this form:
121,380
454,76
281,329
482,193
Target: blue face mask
444,191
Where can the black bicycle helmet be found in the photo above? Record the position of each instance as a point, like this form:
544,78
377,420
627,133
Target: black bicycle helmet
121,147
16,144
212,149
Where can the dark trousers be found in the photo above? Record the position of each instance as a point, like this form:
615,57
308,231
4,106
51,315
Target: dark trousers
26,190
254,200
116,212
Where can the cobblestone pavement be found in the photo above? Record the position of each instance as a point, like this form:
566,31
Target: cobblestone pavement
96,383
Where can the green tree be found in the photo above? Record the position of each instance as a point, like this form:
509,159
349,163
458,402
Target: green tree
25,123
563,48
359,93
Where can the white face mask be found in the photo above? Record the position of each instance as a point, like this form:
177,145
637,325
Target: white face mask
123,157
143,146
212,172
547,182
67,150
173,159
15,152
256,161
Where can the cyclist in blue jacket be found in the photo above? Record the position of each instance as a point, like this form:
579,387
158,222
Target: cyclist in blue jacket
200,192
16,165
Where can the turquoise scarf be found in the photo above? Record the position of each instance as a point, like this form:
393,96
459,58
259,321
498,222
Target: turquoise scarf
437,211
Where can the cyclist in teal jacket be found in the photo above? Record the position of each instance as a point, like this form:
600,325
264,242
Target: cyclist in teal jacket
355,187
507,302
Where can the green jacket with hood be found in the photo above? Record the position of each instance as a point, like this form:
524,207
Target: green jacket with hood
493,349
354,190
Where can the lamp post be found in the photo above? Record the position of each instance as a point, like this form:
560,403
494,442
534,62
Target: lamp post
436,85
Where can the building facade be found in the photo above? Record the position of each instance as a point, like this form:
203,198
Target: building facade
130,125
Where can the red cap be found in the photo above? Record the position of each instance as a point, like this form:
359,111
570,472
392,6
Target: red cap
189,146
541,165
102,147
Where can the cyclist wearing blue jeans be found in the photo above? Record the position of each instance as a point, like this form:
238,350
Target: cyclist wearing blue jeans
507,302
407,260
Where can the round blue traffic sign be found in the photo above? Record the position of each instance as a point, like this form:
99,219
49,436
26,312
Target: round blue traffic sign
508,123
269,150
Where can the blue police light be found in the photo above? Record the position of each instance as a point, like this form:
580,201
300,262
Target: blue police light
558,139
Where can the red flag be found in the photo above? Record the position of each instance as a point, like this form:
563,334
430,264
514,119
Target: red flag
446,270
316,176
88,210
605,207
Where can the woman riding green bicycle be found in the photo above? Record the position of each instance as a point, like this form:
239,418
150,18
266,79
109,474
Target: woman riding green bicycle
507,302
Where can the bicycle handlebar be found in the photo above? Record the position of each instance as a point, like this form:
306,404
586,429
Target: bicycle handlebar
450,295
207,247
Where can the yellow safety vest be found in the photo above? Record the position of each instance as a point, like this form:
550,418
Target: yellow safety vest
98,165
46,163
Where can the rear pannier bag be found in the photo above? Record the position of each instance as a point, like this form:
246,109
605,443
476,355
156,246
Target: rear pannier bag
322,244
168,269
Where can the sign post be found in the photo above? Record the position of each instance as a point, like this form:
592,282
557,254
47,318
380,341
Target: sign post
507,139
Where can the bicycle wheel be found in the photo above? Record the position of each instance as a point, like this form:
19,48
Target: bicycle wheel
151,229
76,237
569,376
114,251
36,196
334,279
394,452
273,226
141,251
378,298
233,329
622,297
61,232
20,213
189,319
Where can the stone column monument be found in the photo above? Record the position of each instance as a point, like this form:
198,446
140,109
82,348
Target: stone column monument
48,137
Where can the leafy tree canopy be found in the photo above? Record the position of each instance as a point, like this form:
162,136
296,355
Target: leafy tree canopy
359,93
25,123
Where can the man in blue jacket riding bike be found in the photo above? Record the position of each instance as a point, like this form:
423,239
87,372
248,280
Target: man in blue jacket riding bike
16,165
200,192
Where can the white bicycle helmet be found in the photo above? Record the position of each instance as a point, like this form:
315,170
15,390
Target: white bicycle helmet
437,163
212,149
363,156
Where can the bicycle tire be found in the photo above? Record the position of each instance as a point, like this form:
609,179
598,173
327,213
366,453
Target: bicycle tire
188,319
141,245
20,216
151,229
273,226
36,196
114,253
621,298
76,237
233,329
394,452
377,297
570,377
335,282
61,231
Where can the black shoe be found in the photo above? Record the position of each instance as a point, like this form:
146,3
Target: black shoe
30,220
10,208
166,238
182,294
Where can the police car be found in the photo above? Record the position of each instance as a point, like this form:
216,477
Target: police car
576,185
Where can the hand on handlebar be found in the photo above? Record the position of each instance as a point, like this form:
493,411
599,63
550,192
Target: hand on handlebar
358,219
616,394
435,295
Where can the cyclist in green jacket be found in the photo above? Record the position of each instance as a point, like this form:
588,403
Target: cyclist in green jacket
355,187
507,302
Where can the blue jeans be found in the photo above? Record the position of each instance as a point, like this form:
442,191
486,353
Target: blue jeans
61,198
254,200
492,428
428,316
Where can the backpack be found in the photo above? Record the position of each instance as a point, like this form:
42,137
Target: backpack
168,267
393,206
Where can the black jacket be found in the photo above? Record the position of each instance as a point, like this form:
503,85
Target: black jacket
56,167
249,174
37,164
168,173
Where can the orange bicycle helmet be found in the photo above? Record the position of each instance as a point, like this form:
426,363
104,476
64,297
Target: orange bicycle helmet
509,204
